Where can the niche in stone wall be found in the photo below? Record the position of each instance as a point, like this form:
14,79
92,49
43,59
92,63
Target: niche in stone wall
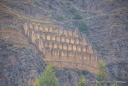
31,26
83,41
93,57
75,33
41,29
79,48
48,53
60,31
37,35
77,41
55,52
62,39
40,45
71,54
84,49
46,44
65,32
84,57
69,47
58,38
67,40
48,37
55,45
72,40
53,37
51,29
43,36
69,32
36,27
63,54
64,46
45,29
78,57
56,31
50,45
89,49
60,46
74,47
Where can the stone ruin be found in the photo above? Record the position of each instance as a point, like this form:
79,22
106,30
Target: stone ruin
62,47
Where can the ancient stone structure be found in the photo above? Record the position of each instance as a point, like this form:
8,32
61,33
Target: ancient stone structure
63,48
15,37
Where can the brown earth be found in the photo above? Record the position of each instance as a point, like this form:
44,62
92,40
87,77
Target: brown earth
108,33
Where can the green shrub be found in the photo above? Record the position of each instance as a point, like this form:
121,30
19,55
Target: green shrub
82,26
60,17
101,74
38,2
75,13
71,0
81,81
77,16
98,84
72,10
114,85
47,78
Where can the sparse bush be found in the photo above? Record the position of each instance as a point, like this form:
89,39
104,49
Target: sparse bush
82,26
60,17
76,14
72,10
38,2
84,72
71,0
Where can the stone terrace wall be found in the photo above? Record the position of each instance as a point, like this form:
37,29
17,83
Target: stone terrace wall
63,48
14,35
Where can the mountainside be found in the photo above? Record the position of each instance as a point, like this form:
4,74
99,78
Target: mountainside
105,23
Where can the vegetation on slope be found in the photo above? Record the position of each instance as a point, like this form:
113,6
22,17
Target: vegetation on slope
47,78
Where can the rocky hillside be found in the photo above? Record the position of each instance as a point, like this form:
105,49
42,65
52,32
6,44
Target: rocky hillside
18,67
103,21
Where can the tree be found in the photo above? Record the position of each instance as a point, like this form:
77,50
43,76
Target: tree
101,75
37,82
98,84
81,81
47,78
114,85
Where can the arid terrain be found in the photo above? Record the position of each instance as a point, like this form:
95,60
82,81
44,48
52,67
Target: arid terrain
104,22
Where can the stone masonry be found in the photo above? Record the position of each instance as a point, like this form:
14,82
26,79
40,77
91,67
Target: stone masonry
61,47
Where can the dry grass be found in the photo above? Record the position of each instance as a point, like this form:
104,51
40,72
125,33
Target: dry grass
24,17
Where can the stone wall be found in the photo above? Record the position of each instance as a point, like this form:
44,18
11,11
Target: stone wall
14,36
63,48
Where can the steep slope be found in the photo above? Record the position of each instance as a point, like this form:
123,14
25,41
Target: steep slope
107,21
20,61
109,35
19,67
